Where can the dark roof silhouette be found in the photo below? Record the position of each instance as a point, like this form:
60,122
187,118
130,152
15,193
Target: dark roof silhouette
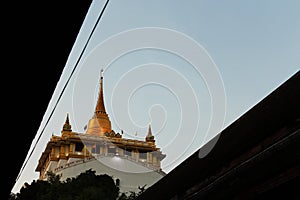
256,157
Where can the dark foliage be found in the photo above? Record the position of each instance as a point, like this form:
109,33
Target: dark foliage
86,186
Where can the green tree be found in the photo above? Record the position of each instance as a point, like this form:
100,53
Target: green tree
86,186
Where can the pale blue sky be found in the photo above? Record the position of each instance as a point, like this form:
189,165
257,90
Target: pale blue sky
254,45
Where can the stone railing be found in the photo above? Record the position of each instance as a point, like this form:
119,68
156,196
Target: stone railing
98,156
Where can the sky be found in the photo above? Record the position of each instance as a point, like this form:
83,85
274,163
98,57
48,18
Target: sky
188,68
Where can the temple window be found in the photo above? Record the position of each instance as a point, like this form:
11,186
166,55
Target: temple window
143,155
127,152
111,150
79,146
94,148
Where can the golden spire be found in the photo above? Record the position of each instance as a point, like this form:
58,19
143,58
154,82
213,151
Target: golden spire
100,123
150,137
149,131
100,108
67,126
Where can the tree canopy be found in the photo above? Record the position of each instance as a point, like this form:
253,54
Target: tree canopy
86,186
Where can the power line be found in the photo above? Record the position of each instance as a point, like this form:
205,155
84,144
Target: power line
61,93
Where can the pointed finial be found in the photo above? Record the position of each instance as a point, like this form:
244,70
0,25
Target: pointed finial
67,126
100,108
150,137
101,73
67,120
149,131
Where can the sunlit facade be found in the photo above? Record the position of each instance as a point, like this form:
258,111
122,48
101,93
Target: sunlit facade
132,163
